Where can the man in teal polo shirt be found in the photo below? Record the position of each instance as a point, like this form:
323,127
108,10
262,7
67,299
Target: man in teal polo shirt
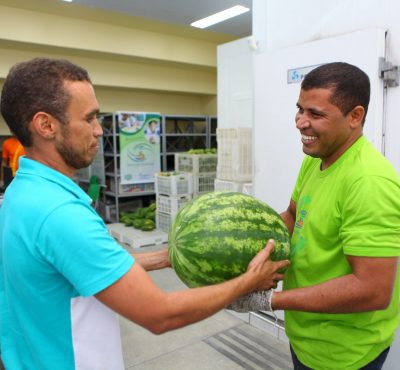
62,275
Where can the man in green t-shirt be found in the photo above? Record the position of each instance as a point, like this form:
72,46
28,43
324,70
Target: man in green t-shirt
341,295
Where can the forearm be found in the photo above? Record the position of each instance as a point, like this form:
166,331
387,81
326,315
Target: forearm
288,220
192,305
346,294
136,297
289,216
153,260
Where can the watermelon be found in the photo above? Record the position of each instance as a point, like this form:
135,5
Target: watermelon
215,236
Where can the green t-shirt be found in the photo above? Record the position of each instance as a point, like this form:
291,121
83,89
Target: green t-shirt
350,208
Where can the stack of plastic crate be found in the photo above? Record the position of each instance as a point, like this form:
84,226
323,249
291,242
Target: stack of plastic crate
173,190
248,188
234,166
227,185
203,168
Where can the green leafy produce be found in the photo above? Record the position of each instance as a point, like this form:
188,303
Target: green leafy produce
141,218
151,215
148,225
202,151
138,223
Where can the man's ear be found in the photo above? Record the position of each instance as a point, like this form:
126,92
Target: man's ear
44,125
357,115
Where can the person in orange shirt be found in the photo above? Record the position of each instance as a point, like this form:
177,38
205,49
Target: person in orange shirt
12,150
15,159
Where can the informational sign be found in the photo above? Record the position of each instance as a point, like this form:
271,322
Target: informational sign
296,75
139,139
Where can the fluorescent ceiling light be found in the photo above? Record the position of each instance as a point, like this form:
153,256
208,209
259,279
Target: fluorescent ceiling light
220,16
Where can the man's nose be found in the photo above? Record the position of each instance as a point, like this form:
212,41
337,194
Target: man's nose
98,130
302,121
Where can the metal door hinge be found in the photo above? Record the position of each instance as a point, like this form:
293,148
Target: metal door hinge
389,73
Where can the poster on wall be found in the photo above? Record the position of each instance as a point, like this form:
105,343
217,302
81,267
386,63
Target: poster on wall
139,139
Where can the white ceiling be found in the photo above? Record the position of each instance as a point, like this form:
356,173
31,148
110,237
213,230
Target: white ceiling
181,12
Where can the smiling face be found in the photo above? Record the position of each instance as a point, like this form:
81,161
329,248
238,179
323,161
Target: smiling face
153,126
77,140
325,132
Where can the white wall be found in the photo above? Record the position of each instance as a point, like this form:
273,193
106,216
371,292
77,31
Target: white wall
235,84
279,24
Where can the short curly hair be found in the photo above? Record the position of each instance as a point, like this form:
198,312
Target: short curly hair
37,86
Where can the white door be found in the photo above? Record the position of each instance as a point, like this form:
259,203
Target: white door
277,147
277,75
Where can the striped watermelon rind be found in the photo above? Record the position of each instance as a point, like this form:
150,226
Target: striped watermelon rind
215,236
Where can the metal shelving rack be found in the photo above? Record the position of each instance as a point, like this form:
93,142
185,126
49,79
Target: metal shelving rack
179,133
212,132
111,195
182,133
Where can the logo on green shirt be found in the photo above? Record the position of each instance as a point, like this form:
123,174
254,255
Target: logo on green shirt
298,242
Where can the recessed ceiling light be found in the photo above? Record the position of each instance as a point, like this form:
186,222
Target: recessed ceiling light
68,1
220,16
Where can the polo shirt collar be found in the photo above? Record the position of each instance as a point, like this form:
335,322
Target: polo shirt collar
34,168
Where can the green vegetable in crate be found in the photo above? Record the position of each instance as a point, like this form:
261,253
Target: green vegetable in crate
138,223
127,222
141,212
123,218
196,151
128,218
148,225
152,207
214,237
151,215
147,228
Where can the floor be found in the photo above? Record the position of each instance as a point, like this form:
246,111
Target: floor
223,341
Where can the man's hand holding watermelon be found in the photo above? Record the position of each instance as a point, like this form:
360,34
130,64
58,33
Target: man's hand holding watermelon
261,262
261,298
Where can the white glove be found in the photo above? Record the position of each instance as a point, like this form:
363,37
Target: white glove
256,301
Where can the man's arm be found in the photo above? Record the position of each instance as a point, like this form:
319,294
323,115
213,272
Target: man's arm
153,260
289,216
137,298
369,287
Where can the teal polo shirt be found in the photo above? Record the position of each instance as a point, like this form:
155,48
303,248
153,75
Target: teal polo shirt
56,254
